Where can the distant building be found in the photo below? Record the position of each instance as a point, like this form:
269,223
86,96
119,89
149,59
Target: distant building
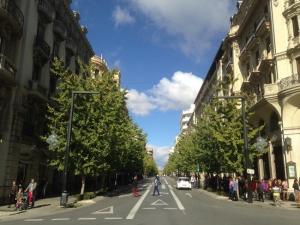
185,118
100,67
149,151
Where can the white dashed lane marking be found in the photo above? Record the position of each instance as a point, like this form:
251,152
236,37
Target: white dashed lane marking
87,218
60,219
113,218
33,220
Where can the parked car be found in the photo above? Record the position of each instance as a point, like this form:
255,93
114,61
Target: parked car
183,183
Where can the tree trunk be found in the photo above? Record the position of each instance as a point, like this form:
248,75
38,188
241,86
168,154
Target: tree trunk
82,185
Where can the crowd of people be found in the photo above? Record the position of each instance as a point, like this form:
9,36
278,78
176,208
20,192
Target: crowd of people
238,187
23,198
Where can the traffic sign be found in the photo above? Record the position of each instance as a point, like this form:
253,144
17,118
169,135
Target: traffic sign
250,171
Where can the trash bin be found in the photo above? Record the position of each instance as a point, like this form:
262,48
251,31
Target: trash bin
64,198
297,196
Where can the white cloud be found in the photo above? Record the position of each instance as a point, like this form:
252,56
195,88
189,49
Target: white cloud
139,103
122,16
161,155
194,23
177,93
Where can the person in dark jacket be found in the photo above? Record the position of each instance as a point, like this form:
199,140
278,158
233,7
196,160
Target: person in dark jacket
156,185
12,194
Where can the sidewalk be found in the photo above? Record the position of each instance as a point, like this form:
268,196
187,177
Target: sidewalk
289,205
48,205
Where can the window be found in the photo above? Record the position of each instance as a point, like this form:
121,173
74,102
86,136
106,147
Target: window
69,55
266,10
56,49
298,66
295,26
291,2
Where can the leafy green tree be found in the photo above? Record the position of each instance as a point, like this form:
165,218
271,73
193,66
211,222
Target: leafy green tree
103,138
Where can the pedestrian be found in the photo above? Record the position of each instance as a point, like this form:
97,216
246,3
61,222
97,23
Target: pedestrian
19,198
260,192
156,185
235,188
135,190
193,181
230,188
12,194
285,188
31,192
296,185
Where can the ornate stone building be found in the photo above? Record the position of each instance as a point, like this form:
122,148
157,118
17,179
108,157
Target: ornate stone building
261,51
32,33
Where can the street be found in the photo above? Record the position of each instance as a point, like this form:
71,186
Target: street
174,207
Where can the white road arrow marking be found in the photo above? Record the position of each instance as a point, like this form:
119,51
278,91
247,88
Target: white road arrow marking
164,193
85,218
159,202
166,181
108,210
163,186
188,194
33,220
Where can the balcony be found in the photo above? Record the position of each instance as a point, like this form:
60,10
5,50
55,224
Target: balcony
12,17
265,62
60,29
46,9
41,52
7,69
263,27
253,75
71,45
289,83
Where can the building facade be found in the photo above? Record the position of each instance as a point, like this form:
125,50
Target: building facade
262,53
32,33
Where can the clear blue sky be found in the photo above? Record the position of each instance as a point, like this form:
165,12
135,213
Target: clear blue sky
163,48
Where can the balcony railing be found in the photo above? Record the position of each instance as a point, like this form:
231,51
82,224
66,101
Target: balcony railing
16,16
46,8
289,82
41,51
263,26
247,46
7,67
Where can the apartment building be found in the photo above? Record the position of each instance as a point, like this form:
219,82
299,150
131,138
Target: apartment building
186,116
32,33
261,51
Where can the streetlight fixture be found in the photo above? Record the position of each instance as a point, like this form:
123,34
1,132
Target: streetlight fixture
52,141
249,171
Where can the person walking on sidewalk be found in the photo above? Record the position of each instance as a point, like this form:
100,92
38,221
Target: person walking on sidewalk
135,190
156,185
12,194
31,192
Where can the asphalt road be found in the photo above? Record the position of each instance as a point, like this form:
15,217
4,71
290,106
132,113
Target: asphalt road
173,207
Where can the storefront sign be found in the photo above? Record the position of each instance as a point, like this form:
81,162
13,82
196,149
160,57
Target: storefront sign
291,170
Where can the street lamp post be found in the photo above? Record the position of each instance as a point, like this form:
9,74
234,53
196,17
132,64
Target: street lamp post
245,136
52,139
